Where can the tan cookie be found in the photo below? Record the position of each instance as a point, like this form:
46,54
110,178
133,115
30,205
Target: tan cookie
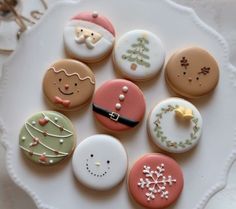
192,72
68,84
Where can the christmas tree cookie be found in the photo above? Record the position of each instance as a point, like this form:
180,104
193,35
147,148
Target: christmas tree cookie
47,138
139,55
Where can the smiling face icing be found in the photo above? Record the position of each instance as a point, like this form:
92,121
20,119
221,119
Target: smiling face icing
192,72
100,162
68,84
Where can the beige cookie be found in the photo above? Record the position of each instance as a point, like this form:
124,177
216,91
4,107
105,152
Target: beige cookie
68,84
192,72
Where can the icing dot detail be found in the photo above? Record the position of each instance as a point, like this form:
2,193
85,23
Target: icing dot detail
50,161
55,119
95,14
33,122
121,97
125,89
118,106
23,138
61,141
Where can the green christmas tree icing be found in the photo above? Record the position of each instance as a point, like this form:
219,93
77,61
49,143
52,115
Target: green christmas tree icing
137,53
47,137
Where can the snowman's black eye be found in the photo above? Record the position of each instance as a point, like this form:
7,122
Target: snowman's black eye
81,30
91,155
60,79
108,161
92,34
75,84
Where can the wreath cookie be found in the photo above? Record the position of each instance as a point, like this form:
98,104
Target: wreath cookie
175,125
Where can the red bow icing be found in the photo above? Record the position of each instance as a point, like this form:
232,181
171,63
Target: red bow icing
58,100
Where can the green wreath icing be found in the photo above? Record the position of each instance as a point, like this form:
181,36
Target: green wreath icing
168,142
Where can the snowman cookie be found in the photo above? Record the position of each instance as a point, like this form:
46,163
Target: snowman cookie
155,181
68,84
47,138
89,37
119,105
192,72
175,125
139,55
100,162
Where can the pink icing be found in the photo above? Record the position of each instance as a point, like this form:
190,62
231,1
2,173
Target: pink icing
171,168
132,107
100,20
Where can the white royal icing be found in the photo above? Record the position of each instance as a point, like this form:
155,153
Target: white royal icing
100,162
81,51
171,132
152,55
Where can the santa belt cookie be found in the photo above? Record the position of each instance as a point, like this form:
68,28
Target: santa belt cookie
114,116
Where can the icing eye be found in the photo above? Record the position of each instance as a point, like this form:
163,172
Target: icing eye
184,73
60,79
91,155
81,30
76,84
92,34
197,78
108,161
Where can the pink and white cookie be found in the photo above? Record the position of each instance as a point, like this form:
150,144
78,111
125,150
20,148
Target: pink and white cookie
119,105
89,37
68,84
155,181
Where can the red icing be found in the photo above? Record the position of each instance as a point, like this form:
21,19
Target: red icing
63,102
171,169
43,121
99,20
132,107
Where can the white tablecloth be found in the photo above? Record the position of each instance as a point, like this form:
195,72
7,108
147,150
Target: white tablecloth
220,14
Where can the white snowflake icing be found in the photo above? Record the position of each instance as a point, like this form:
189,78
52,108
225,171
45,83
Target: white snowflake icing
155,182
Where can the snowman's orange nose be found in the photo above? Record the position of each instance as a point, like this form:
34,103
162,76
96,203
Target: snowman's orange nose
66,86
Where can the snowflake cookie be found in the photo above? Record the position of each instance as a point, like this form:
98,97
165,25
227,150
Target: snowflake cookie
47,137
155,181
175,125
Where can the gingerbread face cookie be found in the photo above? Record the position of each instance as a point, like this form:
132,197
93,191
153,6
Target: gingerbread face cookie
192,72
119,105
155,181
68,84
47,138
89,37
100,162
175,125
139,55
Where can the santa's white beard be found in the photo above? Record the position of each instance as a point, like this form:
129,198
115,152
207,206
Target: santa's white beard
82,51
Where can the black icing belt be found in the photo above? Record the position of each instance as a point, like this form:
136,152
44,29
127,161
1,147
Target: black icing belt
114,116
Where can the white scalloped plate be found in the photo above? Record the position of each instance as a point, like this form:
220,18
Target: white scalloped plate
205,168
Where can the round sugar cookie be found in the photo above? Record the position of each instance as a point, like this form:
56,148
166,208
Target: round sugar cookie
89,37
100,162
192,72
47,137
68,84
139,55
119,105
175,125
155,181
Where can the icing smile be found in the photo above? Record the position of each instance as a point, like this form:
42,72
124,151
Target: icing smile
65,92
94,173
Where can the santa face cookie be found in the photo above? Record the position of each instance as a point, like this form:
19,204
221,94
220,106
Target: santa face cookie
192,72
175,125
119,105
155,181
68,84
47,138
139,55
100,162
89,37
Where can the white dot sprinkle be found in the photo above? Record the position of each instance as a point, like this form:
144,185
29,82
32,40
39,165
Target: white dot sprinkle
125,89
61,141
33,122
23,138
51,161
118,106
56,119
46,118
121,97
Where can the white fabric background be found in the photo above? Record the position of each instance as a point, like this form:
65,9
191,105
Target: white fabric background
220,14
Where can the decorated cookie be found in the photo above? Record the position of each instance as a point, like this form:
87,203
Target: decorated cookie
119,105
68,84
89,37
155,181
175,125
192,72
100,162
139,55
47,138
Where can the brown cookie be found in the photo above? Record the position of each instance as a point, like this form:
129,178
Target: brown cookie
68,84
192,72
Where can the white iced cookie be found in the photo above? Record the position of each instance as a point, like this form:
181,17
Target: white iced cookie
175,125
139,55
89,37
100,162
